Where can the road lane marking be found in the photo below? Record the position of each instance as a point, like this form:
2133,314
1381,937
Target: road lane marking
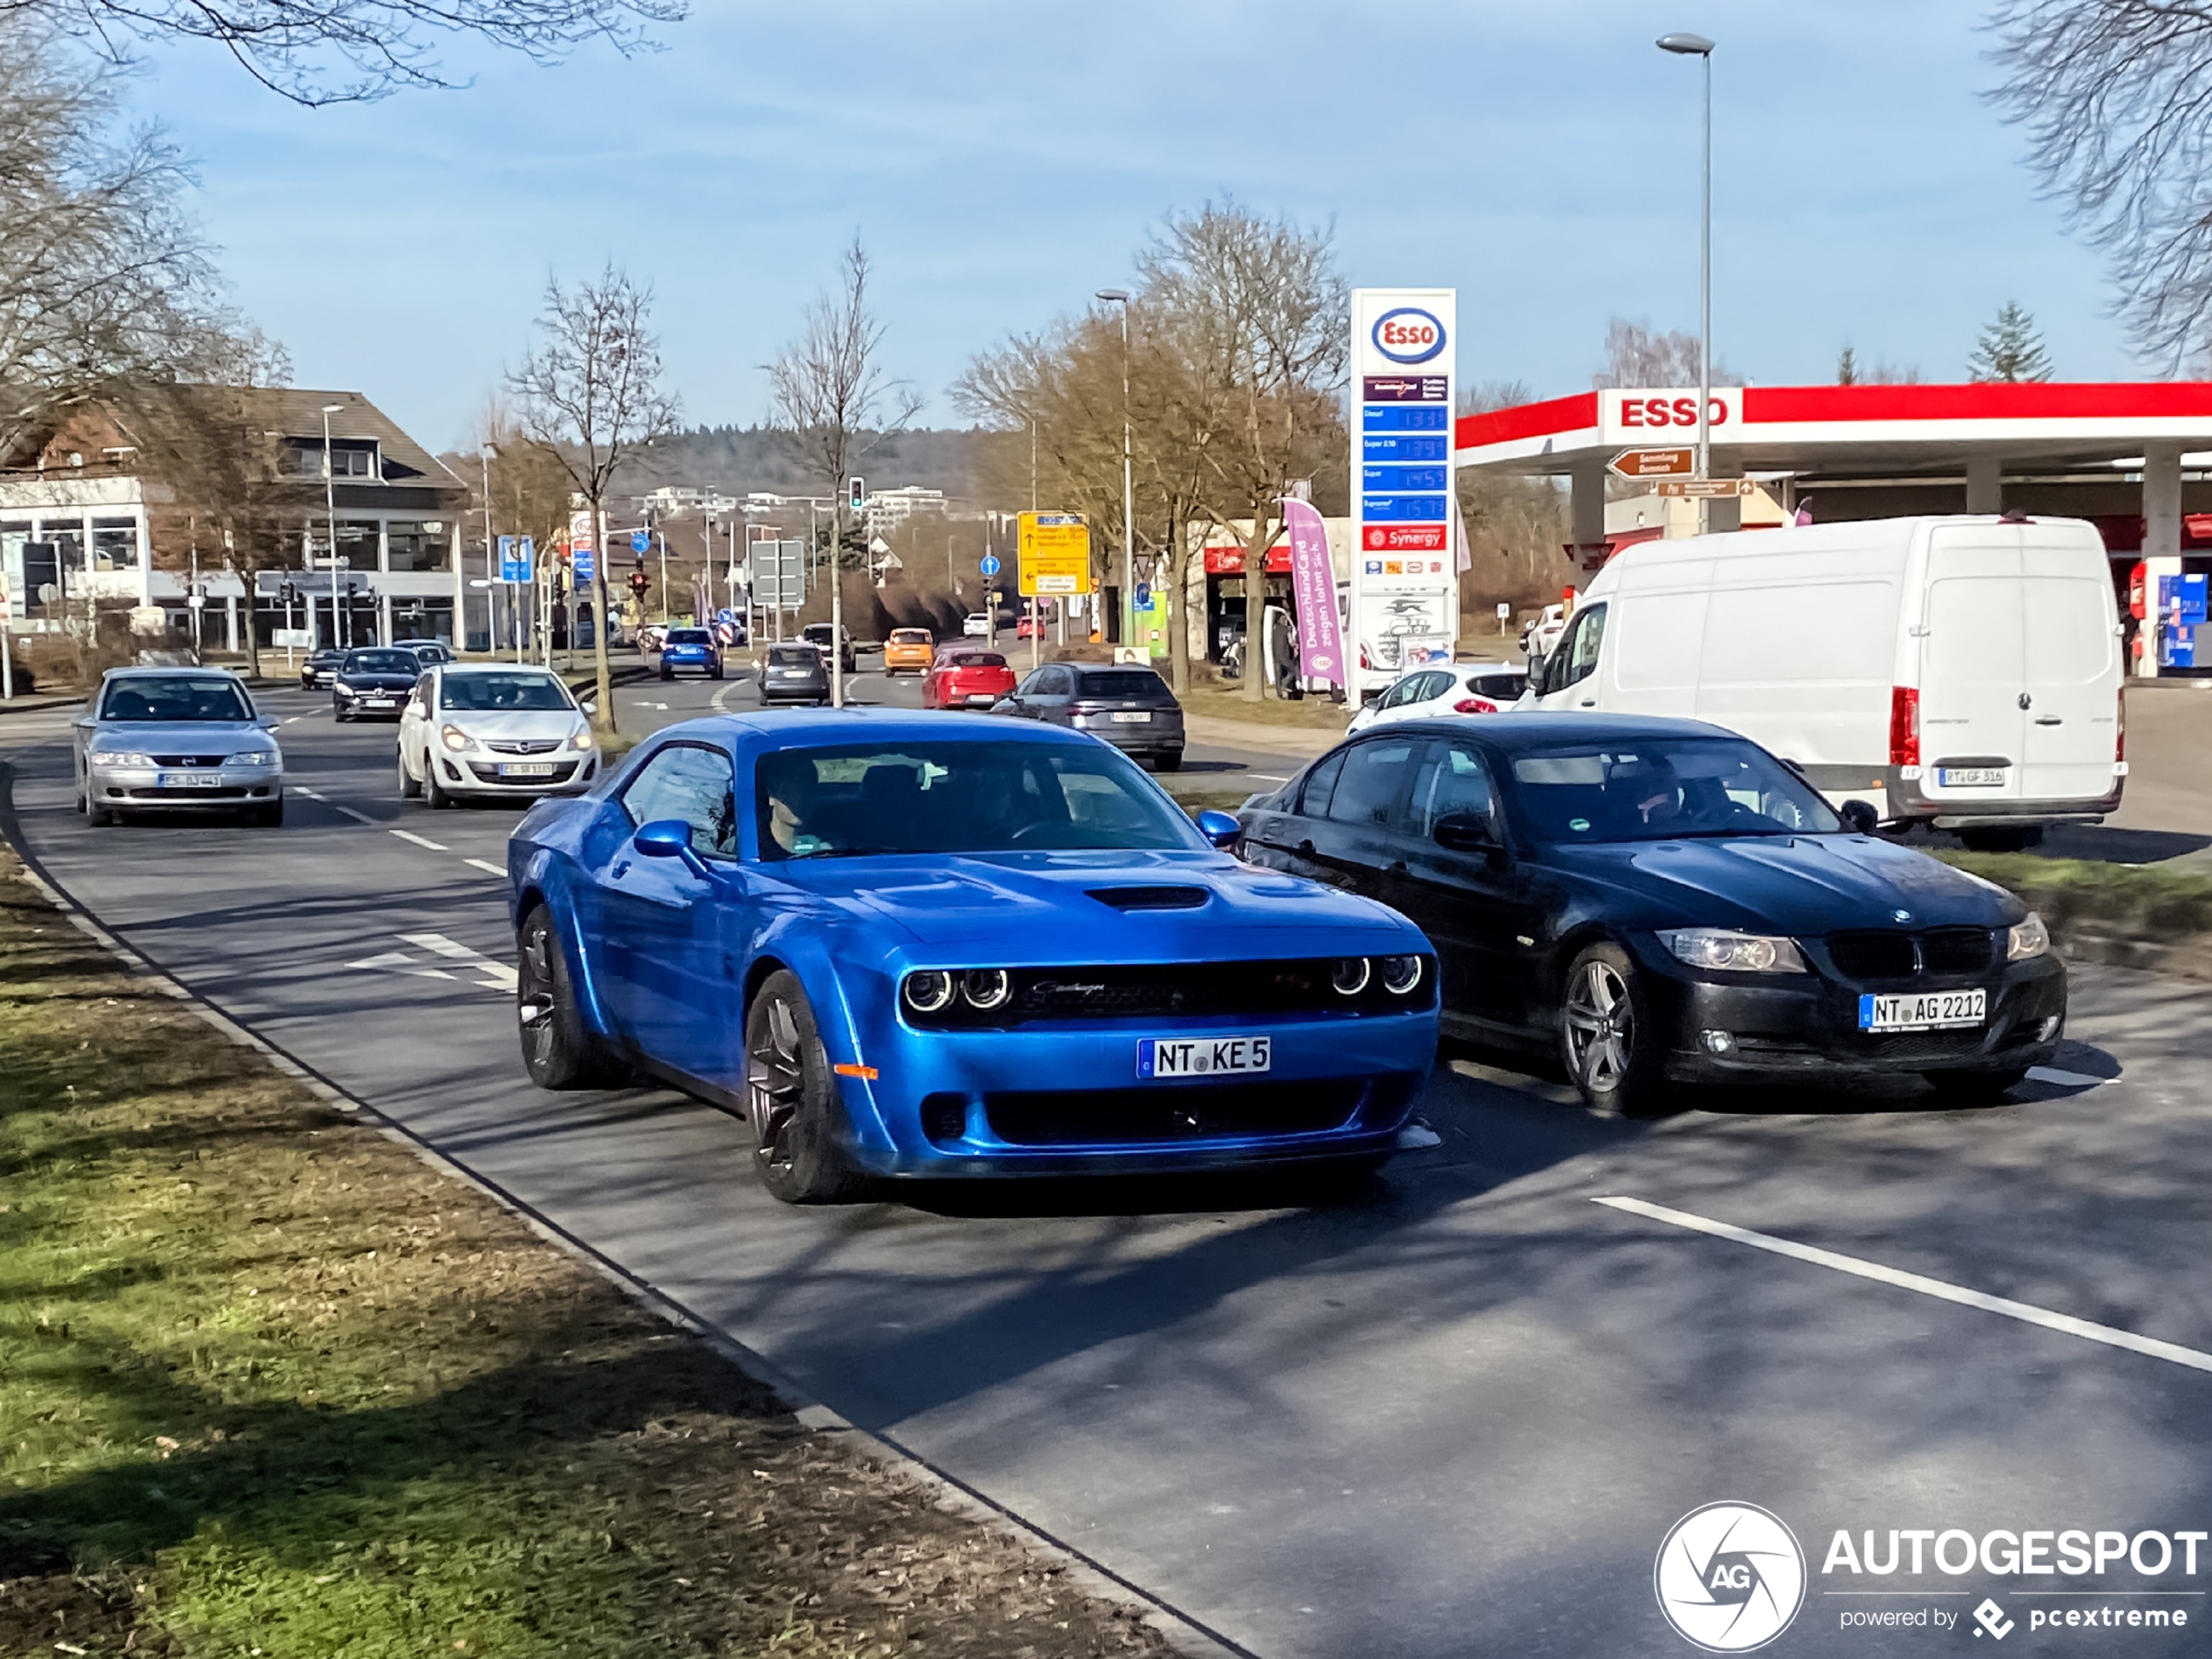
438,945
1267,776
422,840
489,867
302,789
359,817
398,961
2065,1079
2026,1313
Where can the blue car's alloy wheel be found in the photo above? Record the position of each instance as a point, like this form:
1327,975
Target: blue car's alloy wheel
558,1050
792,1100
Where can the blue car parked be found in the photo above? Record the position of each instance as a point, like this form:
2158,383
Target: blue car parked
690,648
935,944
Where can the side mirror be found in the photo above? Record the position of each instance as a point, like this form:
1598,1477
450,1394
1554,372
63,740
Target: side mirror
669,838
1465,833
1218,827
1859,817
268,722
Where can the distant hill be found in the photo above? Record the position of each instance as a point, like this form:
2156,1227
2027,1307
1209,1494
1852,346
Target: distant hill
738,459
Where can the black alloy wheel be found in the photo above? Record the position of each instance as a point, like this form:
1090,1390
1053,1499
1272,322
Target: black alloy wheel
269,814
1611,1047
557,1050
792,1100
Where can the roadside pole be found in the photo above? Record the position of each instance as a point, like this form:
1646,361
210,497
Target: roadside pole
7,661
837,601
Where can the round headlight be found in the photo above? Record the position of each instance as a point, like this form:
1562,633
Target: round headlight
1400,974
928,991
986,988
1350,976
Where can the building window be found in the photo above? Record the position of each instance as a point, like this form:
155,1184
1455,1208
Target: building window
423,619
115,544
420,546
351,459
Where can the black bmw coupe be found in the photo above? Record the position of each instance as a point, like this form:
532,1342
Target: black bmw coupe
1662,903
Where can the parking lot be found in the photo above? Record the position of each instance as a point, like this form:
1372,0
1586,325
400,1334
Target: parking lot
1453,1411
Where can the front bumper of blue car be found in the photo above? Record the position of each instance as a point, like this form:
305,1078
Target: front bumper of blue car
1069,1099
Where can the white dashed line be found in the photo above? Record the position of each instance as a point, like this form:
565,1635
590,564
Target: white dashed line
489,867
301,789
422,840
2026,1313
359,817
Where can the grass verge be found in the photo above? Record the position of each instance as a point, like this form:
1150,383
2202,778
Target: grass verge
2078,895
270,1383
1222,700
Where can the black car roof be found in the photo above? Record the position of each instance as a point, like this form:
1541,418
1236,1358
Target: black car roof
1526,731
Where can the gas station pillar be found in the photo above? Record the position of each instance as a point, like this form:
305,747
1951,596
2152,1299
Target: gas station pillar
2162,533
1587,513
1985,484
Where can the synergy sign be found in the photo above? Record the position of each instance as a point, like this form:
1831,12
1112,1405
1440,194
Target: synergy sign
1404,584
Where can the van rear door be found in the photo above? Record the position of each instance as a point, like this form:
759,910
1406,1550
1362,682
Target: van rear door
1973,667
2070,623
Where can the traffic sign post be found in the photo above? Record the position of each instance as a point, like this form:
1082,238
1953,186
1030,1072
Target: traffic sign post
641,540
989,564
1054,549
1653,463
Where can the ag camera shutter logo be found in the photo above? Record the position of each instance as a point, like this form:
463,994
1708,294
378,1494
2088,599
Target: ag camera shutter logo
1729,1577
1407,335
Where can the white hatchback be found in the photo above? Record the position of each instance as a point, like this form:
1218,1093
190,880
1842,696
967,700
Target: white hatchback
489,729
1429,693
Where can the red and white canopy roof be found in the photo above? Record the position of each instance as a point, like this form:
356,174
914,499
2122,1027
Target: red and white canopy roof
1812,429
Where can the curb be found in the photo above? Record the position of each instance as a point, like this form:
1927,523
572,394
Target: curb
1183,1633
2189,958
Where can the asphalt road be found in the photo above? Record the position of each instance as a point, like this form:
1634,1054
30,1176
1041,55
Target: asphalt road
1453,1413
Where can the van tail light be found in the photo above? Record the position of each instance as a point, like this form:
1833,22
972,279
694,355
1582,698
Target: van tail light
1904,725
1474,705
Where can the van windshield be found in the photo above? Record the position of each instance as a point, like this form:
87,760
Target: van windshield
1663,789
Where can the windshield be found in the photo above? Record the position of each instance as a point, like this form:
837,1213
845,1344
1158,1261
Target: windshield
959,797
794,656
381,662
1138,682
1664,789
488,691
178,697
977,660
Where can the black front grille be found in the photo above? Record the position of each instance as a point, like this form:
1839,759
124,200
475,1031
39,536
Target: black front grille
189,760
1151,898
227,792
1210,990
1882,955
1214,1111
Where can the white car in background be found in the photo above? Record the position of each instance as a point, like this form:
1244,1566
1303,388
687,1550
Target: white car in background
1429,693
484,729
976,625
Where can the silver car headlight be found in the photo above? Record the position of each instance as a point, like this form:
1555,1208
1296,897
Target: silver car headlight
1724,950
119,758
456,740
582,738
257,758
2027,938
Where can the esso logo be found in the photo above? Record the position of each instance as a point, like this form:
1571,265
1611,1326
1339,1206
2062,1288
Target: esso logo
1408,335
1671,410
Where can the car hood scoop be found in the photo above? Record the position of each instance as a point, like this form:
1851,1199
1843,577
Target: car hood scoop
1150,898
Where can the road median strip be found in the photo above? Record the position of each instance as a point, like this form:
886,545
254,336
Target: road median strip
274,1381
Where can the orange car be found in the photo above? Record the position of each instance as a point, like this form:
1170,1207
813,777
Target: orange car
908,648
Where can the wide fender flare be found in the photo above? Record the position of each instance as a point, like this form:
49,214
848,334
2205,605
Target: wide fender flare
836,978
540,882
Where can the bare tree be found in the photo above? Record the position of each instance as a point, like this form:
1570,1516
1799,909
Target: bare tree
1637,356
588,393
2116,96
328,51
1516,526
1261,317
830,397
104,278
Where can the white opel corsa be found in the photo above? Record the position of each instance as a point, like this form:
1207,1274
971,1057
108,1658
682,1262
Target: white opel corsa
484,729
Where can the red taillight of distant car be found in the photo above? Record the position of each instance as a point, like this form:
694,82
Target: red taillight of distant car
1474,705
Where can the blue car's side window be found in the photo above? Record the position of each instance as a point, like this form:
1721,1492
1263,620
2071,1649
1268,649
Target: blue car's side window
693,783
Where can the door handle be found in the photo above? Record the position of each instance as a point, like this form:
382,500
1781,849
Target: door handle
1589,702
620,870
2049,719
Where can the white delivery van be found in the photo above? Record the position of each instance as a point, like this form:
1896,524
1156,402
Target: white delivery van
1963,673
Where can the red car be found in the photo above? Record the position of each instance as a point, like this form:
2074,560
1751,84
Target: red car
966,677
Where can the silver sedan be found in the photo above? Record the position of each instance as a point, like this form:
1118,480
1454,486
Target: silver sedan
176,738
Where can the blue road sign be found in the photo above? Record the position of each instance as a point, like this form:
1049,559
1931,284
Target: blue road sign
725,615
1144,596
583,563
990,564
514,559
641,540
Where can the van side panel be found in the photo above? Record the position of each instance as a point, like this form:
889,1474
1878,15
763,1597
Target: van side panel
1655,639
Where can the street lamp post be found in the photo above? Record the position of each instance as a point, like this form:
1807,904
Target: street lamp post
330,520
1120,297
1688,45
491,565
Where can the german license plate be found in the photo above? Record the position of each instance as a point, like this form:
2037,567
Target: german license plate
376,702
1202,1056
1970,777
187,780
981,700
1923,1011
526,769
1131,717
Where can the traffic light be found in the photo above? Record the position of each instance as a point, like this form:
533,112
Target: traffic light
860,495
638,583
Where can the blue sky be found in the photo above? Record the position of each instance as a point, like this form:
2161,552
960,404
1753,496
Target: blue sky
1002,160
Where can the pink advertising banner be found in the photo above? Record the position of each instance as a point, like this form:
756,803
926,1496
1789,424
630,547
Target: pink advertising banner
1313,586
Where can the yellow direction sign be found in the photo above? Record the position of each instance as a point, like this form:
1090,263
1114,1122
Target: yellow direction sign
1055,552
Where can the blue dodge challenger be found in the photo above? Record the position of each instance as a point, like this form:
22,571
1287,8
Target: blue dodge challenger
945,945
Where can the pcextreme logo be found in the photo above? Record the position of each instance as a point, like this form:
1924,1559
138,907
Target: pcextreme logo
1729,1577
